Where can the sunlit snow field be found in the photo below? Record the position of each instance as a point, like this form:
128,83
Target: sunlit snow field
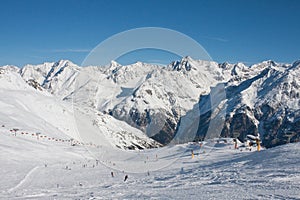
45,169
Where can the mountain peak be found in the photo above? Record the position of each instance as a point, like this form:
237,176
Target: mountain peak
114,64
64,63
10,68
183,64
270,63
187,58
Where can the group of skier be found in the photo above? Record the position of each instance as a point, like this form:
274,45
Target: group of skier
125,178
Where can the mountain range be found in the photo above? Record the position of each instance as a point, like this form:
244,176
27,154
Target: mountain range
144,105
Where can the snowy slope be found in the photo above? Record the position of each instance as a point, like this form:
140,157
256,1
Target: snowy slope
28,109
40,169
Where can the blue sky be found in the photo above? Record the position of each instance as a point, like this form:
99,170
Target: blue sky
35,31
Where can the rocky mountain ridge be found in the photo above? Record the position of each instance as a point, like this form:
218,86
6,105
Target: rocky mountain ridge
186,100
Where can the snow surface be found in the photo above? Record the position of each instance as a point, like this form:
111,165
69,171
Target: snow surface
43,169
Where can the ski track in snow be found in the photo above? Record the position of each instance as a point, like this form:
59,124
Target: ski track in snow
27,176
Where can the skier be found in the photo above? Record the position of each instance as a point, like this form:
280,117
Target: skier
257,144
126,177
181,170
112,174
235,143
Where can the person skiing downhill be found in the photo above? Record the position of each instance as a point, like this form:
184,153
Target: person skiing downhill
192,154
126,177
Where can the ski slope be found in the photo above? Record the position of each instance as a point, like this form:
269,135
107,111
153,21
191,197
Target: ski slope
44,169
36,111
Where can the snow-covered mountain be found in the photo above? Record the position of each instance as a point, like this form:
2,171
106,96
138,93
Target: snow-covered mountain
263,98
186,100
30,107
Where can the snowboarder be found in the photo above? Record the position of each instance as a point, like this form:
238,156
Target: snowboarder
126,177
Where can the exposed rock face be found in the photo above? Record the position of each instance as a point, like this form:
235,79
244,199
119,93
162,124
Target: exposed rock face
34,84
280,126
239,126
267,103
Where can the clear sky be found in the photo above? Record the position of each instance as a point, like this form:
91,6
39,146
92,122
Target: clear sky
35,31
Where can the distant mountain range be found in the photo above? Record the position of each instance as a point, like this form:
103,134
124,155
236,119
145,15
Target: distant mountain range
188,100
